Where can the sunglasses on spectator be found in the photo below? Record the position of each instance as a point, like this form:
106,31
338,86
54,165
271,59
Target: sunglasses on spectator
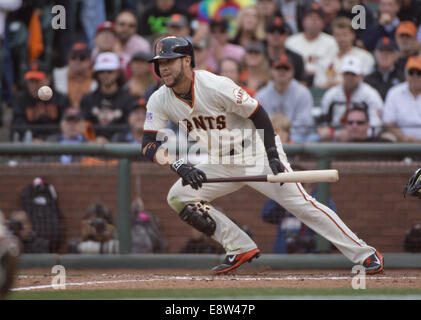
413,72
358,122
126,24
283,68
80,57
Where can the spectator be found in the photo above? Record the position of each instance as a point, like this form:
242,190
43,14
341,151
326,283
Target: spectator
285,94
357,127
277,32
255,73
330,10
136,120
72,132
401,113
107,108
343,32
92,14
107,40
385,74
231,68
21,227
220,47
406,39
34,119
412,239
142,77
146,231
267,10
75,80
282,127
348,10
126,28
153,21
292,11
209,10
292,235
201,54
7,75
40,201
178,26
340,99
385,26
250,27
312,44
410,10
5,7
98,232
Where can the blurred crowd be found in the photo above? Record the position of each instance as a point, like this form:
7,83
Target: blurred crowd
309,63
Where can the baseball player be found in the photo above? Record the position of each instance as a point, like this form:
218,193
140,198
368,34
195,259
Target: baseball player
207,107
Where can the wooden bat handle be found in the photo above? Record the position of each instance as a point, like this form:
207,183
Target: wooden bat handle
234,179
239,179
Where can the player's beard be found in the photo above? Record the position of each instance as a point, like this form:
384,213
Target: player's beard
177,78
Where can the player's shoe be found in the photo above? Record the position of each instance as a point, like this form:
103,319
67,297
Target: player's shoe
374,264
233,261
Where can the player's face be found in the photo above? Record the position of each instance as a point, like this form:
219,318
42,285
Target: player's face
171,70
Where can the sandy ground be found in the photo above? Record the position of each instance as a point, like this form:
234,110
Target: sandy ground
41,279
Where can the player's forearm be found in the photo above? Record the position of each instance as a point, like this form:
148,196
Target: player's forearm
261,121
160,156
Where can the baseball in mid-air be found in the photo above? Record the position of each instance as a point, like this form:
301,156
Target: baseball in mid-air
45,93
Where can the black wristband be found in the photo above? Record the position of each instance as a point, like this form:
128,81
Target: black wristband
177,164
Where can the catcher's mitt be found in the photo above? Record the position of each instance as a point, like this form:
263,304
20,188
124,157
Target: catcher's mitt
413,186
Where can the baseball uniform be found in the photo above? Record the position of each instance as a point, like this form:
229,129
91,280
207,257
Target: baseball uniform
221,108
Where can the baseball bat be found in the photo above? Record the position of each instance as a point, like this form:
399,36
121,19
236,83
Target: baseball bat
305,176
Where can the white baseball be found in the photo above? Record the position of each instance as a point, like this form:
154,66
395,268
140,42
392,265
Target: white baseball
45,93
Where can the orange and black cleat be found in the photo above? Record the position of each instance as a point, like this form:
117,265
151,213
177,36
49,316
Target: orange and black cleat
374,264
233,261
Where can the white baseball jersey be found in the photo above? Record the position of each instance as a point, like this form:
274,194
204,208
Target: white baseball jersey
217,118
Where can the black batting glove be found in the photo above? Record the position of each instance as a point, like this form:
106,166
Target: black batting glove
275,163
190,175
276,166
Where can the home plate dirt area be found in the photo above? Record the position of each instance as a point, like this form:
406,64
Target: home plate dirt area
41,279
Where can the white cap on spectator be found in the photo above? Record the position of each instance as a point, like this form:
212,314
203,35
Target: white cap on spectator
351,64
107,61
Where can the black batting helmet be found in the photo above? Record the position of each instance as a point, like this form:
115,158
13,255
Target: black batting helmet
172,48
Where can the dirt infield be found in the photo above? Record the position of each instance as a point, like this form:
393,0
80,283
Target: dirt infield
41,279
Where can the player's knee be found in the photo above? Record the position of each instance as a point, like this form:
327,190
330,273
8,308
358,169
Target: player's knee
196,215
175,203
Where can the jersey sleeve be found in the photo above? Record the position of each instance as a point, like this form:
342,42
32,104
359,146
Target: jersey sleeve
235,99
156,117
